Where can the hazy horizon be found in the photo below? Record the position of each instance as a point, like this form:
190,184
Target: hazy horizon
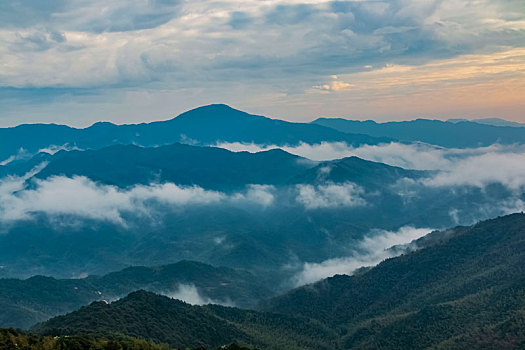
174,115
76,63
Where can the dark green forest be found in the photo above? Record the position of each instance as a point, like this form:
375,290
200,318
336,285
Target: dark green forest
26,302
11,339
464,288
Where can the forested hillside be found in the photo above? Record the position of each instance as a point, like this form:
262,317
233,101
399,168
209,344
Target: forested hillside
467,281
161,319
463,288
26,302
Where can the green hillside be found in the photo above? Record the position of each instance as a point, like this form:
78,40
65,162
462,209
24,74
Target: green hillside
160,319
467,281
26,302
464,288
12,339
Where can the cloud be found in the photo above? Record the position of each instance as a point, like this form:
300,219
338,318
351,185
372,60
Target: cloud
330,195
409,156
482,170
90,16
21,154
52,149
79,196
418,156
13,184
370,251
260,194
190,294
146,41
335,85
478,167
187,53
316,152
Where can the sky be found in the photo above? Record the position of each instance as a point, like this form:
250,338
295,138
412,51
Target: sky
126,61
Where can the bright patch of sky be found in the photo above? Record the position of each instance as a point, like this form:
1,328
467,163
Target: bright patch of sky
77,62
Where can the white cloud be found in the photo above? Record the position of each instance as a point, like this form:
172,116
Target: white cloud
330,195
95,43
52,149
21,154
260,194
370,251
262,55
504,164
81,197
12,184
410,156
481,170
316,152
335,86
190,294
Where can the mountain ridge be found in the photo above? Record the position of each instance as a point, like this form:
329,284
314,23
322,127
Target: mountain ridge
464,134
37,298
464,277
223,124
209,167
158,318
462,282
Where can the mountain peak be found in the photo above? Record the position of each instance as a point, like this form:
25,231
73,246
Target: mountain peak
214,112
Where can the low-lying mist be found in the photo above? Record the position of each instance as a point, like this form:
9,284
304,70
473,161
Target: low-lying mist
504,164
369,251
324,226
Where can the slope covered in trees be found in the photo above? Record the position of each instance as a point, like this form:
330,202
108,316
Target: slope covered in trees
26,302
13,339
161,319
463,288
205,125
466,281
462,134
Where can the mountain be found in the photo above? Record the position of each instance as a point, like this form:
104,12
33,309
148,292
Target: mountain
208,167
364,172
26,302
311,212
490,121
16,339
463,134
464,289
161,319
205,125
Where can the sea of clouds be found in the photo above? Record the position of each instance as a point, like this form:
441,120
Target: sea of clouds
369,251
504,164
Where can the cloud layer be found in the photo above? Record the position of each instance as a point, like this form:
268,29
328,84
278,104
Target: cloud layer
122,59
81,197
191,295
330,195
370,251
476,167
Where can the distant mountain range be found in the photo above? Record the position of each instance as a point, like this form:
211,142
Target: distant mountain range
273,208
206,125
79,204
490,121
207,167
461,134
464,288
213,124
